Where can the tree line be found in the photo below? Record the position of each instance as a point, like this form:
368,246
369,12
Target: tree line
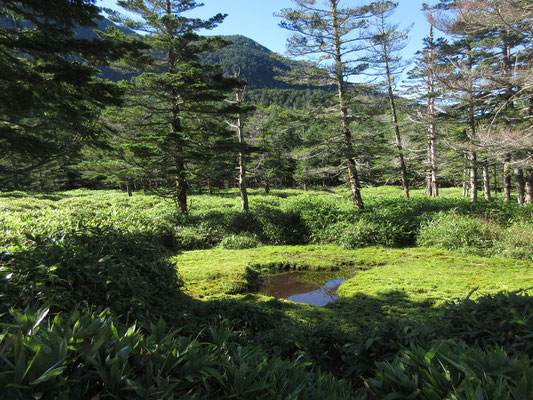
180,124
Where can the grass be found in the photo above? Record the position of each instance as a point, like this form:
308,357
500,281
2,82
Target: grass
87,278
221,271
387,282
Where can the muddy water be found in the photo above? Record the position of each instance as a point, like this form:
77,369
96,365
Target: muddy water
315,288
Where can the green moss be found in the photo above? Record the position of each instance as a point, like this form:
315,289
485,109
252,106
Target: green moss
388,282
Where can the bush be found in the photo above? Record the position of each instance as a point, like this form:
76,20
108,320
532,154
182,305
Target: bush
450,369
86,356
94,268
359,234
240,242
516,241
458,232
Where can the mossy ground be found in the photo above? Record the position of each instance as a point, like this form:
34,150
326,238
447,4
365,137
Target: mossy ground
410,282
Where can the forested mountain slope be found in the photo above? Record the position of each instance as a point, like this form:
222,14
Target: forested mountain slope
259,66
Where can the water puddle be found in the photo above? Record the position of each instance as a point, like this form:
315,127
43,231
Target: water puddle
314,288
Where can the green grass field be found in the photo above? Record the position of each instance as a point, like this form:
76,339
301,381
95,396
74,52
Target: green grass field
437,288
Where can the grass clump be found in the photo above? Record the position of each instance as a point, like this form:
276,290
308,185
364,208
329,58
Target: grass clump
87,356
287,217
90,268
473,349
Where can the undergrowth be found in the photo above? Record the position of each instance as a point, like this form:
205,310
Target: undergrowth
286,217
92,307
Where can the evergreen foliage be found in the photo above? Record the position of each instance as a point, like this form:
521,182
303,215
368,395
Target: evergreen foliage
50,97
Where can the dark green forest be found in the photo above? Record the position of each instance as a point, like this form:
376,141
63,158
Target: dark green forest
192,216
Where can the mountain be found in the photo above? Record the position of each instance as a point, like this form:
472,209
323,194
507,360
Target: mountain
259,65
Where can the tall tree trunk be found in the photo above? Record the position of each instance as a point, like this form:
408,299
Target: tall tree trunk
432,186
495,173
239,93
486,181
529,186
471,126
466,185
348,146
180,182
242,182
398,137
507,178
473,176
428,183
128,189
520,185
432,155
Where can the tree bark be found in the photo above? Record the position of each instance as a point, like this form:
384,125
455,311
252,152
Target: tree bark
466,185
242,157
432,186
520,185
495,173
399,146
473,176
181,185
432,155
529,186
471,127
348,146
486,182
507,179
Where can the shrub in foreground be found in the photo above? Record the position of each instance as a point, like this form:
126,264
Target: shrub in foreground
91,268
86,356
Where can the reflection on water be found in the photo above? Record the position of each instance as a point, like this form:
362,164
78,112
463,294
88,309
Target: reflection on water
315,288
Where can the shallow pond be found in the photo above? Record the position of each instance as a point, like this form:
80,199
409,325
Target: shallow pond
315,288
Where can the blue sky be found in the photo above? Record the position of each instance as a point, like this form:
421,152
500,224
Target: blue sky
254,18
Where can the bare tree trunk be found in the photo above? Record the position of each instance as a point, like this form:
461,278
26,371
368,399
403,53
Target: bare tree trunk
242,179
209,186
180,182
242,157
473,176
348,146
495,173
128,189
529,186
431,184
267,187
486,181
428,183
180,193
398,137
471,127
507,179
466,185
520,185
432,162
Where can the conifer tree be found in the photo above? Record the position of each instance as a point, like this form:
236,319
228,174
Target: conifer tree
50,98
324,29
385,42
173,108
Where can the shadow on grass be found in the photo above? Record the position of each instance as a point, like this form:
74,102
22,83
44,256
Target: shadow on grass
42,196
93,268
234,193
270,225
